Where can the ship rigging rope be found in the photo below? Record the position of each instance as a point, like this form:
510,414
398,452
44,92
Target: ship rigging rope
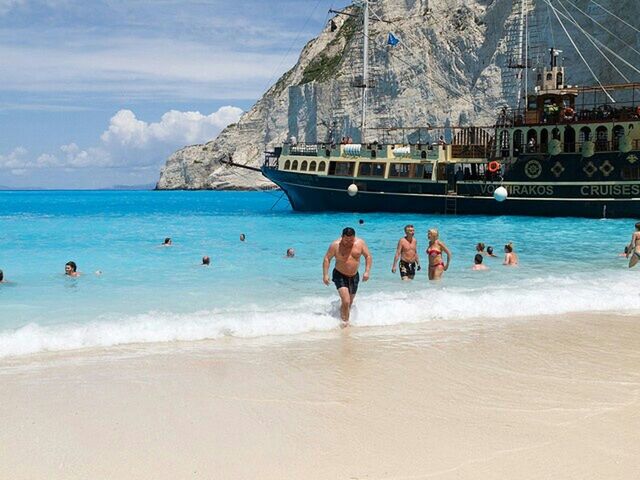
589,37
603,27
615,16
293,42
555,12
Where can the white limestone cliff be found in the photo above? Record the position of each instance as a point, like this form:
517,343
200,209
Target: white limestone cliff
448,70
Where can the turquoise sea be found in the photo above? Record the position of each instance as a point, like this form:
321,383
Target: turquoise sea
147,293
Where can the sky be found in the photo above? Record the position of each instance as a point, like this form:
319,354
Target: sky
97,93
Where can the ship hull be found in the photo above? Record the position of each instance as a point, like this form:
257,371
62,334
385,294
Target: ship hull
311,193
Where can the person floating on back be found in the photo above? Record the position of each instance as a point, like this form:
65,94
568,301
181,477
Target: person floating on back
510,258
634,247
71,269
347,251
477,263
407,252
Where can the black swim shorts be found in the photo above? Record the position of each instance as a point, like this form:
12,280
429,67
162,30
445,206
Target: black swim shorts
407,269
341,280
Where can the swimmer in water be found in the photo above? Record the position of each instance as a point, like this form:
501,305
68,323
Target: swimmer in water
407,252
71,269
347,250
634,247
480,248
2,280
477,263
490,252
510,258
206,261
167,242
436,248
243,237
290,253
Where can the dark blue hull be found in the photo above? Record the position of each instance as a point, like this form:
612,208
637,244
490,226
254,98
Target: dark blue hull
313,193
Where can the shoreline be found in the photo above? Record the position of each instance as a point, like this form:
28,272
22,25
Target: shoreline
552,397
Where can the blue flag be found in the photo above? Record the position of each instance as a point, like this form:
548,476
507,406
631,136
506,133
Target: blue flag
392,40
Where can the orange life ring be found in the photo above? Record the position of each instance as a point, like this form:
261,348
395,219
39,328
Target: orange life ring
493,166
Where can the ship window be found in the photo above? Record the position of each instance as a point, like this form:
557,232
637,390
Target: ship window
303,167
341,168
549,76
559,79
555,133
322,167
428,170
418,172
539,77
287,165
423,154
312,167
602,139
585,134
518,139
295,165
399,170
372,169
631,172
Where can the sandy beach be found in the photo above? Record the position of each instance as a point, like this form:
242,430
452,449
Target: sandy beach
553,397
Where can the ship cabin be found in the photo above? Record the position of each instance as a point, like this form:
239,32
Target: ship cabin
440,162
566,123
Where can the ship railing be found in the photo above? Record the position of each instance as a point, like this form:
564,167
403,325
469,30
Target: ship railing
575,147
471,151
303,149
583,113
271,160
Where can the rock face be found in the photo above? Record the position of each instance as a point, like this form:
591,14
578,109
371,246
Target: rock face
449,69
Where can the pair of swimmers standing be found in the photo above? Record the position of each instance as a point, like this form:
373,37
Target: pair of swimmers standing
407,253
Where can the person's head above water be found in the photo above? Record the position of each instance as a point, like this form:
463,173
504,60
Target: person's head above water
243,237
206,260
167,241
409,229
1,276
480,247
348,236
361,222
477,259
291,253
508,248
490,250
432,234
70,268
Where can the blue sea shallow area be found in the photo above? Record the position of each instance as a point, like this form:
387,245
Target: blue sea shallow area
150,293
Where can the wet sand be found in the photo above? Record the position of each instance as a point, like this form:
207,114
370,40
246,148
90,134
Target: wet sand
538,398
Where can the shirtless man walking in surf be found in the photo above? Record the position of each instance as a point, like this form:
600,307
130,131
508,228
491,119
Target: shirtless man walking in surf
347,251
407,252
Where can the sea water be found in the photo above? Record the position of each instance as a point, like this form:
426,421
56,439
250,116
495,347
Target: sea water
150,293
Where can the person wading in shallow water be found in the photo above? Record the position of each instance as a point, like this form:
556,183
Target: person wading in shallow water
347,251
435,251
634,247
407,252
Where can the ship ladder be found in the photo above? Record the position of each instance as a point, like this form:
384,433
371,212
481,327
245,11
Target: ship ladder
451,204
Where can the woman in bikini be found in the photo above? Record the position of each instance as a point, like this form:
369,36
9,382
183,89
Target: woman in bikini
634,247
436,266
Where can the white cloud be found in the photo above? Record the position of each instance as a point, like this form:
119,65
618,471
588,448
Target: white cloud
173,128
129,142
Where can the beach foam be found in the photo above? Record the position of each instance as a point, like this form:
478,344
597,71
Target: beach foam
549,295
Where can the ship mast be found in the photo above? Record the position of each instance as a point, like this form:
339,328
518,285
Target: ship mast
365,70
